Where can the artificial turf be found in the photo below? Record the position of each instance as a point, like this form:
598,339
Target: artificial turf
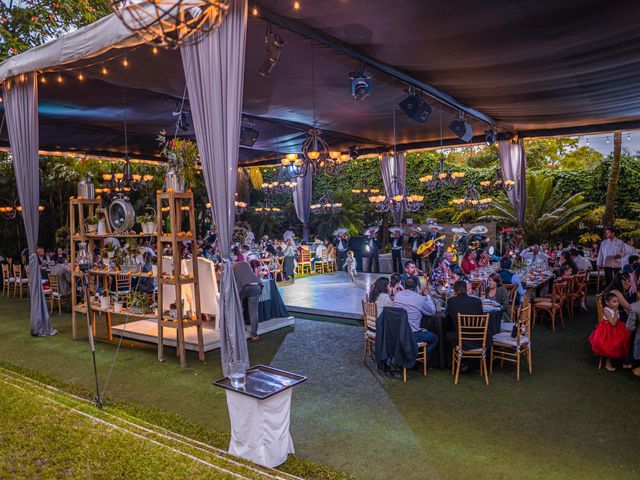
567,420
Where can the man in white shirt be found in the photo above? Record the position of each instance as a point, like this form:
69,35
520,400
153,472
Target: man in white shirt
534,256
628,250
416,305
610,254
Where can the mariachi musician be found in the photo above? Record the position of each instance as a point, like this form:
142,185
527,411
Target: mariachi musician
342,245
396,239
415,240
373,249
460,240
434,237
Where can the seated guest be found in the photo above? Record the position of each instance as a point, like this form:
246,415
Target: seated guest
417,305
469,264
59,256
462,304
565,259
565,272
236,255
496,291
533,256
63,273
410,271
249,287
628,249
379,294
508,276
482,259
145,283
395,284
632,265
583,264
442,274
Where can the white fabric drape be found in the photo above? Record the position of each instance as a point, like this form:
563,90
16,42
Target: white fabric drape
21,108
214,70
513,161
302,200
394,172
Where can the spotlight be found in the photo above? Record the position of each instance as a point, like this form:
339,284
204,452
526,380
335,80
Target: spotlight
248,134
490,136
461,128
360,83
354,152
415,107
273,43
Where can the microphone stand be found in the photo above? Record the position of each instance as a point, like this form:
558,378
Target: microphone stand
84,268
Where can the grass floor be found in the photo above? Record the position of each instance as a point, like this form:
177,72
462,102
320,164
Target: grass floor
567,420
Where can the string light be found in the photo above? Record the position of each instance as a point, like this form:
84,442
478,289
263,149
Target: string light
80,76
155,50
254,12
125,62
104,70
59,78
43,79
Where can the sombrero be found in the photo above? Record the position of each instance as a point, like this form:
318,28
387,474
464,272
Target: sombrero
459,231
478,230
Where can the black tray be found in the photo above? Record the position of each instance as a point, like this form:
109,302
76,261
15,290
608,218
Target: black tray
263,382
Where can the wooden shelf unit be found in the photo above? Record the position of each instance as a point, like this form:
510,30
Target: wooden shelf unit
175,201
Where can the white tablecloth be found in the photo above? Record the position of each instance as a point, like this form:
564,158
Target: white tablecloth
260,428
207,285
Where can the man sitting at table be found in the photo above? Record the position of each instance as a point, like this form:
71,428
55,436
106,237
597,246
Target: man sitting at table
583,264
508,276
416,306
249,287
461,303
534,256
410,271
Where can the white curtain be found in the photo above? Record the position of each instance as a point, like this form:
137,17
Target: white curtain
394,172
513,161
21,108
302,201
214,70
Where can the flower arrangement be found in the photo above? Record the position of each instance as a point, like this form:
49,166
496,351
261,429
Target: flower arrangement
181,154
139,302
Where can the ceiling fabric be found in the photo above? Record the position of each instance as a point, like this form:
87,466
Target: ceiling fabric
534,66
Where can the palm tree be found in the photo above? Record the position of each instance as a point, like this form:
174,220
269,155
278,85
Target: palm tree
612,186
548,211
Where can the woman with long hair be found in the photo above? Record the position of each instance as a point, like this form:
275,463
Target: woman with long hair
379,294
495,291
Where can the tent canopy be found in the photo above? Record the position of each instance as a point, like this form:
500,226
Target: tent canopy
538,67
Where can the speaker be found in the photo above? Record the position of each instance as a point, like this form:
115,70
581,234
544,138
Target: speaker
415,108
248,136
462,129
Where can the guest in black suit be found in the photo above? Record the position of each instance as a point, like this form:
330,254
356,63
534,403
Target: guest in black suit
415,240
373,248
397,240
465,305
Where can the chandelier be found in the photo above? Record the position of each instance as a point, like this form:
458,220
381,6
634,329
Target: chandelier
123,182
399,202
316,156
472,201
498,184
170,23
9,212
442,177
282,184
240,207
365,191
325,206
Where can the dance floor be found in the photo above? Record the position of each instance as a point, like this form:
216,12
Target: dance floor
330,295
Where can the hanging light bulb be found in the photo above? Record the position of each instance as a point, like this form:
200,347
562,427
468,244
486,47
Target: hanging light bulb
296,5
254,12
80,76
154,50
125,62
43,79
59,78
104,70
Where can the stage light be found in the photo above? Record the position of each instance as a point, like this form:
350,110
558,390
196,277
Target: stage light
461,128
415,107
490,136
354,152
360,83
273,44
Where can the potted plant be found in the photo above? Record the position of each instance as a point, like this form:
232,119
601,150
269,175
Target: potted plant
118,304
109,250
105,300
182,157
138,303
148,223
92,223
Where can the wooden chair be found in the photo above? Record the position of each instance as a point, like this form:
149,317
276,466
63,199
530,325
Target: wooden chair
600,310
19,279
512,288
327,262
476,287
265,268
471,328
8,281
421,358
55,294
552,305
123,284
578,291
304,265
369,318
279,268
507,348
595,278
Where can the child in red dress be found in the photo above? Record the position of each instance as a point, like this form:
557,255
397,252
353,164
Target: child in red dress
610,339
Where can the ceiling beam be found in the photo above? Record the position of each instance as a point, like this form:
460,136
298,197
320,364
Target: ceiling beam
323,38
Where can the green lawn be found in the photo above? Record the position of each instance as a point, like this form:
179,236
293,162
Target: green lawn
566,421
